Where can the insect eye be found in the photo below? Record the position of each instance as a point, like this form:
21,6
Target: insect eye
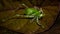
40,18
41,12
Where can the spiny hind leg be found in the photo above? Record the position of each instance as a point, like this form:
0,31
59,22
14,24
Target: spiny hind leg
27,16
17,15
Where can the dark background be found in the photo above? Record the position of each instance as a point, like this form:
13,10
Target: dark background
54,29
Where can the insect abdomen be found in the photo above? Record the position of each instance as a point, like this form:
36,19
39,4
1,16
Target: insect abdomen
30,11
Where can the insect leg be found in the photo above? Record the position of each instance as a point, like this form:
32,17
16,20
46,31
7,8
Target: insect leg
41,10
25,5
38,23
32,19
36,7
17,16
25,16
